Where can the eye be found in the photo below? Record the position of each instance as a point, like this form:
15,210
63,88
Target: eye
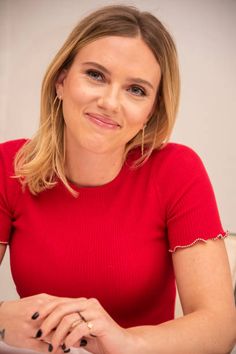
95,75
137,91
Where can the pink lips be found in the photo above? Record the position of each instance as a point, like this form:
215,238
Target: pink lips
102,121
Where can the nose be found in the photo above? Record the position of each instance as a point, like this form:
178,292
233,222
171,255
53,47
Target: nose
109,99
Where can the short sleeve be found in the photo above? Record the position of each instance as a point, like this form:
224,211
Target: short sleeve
9,187
191,208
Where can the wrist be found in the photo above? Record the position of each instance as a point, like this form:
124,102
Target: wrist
136,343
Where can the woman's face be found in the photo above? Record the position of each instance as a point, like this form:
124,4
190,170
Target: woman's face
108,93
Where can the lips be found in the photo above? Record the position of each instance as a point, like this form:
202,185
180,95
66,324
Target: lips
102,121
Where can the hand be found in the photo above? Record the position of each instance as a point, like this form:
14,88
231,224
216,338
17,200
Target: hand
84,319
16,321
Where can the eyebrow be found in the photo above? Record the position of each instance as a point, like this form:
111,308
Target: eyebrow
134,79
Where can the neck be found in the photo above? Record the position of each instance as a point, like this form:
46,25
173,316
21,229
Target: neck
86,168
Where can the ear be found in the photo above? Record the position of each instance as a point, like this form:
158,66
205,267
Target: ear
60,83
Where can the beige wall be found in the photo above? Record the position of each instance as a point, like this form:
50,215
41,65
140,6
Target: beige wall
205,30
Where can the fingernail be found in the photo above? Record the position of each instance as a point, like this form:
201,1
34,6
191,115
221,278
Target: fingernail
83,342
39,333
35,315
63,347
50,348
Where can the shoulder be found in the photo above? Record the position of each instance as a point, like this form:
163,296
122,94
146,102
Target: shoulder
9,149
12,146
177,169
177,159
173,151
9,187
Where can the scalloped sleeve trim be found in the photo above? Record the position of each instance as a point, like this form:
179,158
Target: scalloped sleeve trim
220,236
4,243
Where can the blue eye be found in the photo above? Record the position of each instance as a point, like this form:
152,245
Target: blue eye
137,91
95,75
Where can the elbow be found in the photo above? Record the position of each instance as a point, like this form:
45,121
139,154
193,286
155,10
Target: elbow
227,333
233,334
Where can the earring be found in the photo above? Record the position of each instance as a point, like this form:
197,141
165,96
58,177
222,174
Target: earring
55,107
59,96
143,135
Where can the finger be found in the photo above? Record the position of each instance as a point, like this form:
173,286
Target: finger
84,330
61,310
65,326
81,330
56,349
46,307
93,345
60,303
33,304
39,346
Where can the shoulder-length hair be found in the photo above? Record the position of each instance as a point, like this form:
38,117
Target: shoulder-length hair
41,161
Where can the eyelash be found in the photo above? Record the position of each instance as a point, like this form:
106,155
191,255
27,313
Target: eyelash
90,73
140,89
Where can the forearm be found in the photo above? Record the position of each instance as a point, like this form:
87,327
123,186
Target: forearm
201,332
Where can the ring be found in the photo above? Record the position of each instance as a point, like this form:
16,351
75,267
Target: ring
89,325
76,323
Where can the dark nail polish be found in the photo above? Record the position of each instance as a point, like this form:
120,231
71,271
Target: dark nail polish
35,316
39,333
83,342
65,350
50,348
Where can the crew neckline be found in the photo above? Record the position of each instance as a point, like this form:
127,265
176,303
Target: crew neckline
115,181
126,167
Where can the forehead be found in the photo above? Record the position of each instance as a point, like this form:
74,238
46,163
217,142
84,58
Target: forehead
121,53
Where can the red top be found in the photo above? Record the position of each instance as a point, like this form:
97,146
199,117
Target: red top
112,241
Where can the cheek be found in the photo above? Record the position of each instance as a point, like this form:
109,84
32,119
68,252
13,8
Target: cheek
77,91
138,115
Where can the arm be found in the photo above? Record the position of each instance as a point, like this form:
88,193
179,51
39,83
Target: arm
205,288
207,327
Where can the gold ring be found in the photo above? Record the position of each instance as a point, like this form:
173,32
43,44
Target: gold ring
89,325
76,323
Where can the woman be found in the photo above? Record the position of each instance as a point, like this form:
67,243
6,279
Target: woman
111,215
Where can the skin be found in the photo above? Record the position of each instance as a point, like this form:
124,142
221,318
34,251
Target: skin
108,89
105,104
205,288
208,325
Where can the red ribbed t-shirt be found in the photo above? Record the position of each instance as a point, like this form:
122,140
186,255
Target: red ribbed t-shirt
112,242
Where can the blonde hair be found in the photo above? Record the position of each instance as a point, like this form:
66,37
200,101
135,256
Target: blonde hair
41,161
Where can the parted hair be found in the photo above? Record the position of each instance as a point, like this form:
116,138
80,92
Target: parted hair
41,160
